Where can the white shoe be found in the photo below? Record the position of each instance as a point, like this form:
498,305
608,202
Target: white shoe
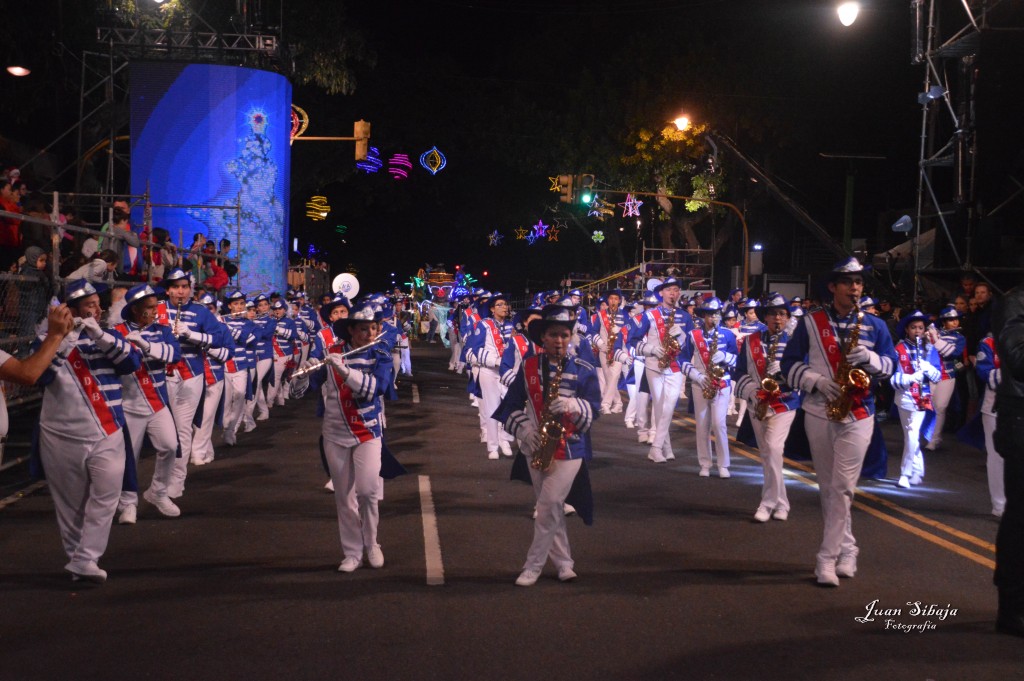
198,461
527,578
566,574
724,473
668,453
846,566
505,447
916,479
534,512
375,557
617,409
88,571
249,427
128,515
650,439
262,417
329,486
763,514
656,456
642,438
493,455
568,509
630,425
997,512
605,411
349,565
163,504
705,472
933,445
826,573
781,514
903,482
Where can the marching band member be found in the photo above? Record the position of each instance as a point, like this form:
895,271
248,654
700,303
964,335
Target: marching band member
773,407
637,412
710,352
214,364
310,321
659,340
326,341
557,387
520,346
236,379
81,431
484,350
455,337
265,324
286,334
839,420
950,344
916,370
353,390
145,399
198,333
607,325
750,323
991,373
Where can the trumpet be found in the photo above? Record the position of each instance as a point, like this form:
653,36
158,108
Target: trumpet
316,364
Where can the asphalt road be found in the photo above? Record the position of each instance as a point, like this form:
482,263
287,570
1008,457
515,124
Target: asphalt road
676,579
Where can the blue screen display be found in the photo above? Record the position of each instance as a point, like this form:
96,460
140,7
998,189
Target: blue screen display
206,135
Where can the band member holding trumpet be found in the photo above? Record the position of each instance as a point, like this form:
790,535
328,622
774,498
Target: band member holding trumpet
146,402
353,388
831,358
772,403
710,352
550,407
198,333
659,339
82,442
237,386
607,325
916,371
484,350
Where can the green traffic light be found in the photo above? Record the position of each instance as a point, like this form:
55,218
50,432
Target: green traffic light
587,198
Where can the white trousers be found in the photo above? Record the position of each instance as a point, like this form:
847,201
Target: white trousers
771,443
453,363
994,464
250,404
184,403
550,535
85,483
665,390
942,393
838,450
611,400
407,361
262,403
202,436
355,472
234,403
913,460
636,410
164,437
710,416
493,392
277,393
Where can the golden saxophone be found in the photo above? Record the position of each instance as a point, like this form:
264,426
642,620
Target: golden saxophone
715,372
670,344
551,430
851,379
769,384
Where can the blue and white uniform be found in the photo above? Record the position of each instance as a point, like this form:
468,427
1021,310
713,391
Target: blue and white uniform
264,325
485,348
916,371
215,365
237,375
606,326
704,350
288,334
951,346
990,373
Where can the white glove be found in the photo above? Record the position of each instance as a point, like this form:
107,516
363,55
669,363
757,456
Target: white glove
773,369
599,343
565,405
659,351
718,357
675,331
926,368
339,363
827,387
859,355
136,338
281,333
91,328
184,333
236,331
625,368
493,360
529,442
917,377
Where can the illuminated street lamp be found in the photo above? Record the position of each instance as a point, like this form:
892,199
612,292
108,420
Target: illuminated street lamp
848,12
682,123
19,71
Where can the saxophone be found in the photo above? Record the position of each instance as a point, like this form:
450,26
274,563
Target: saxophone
769,384
670,344
850,379
551,429
715,372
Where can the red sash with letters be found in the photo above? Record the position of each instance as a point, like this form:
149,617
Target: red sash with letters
105,415
349,408
659,321
144,379
918,391
757,351
834,354
499,344
533,368
705,354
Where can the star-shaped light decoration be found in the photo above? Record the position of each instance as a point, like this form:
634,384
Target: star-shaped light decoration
531,237
494,238
521,232
631,207
597,236
554,184
553,233
540,229
560,223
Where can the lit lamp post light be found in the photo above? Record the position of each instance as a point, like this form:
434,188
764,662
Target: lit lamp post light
682,123
19,71
848,12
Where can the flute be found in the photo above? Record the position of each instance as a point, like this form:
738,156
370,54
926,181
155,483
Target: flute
316,364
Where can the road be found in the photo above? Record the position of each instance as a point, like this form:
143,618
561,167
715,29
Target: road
676,579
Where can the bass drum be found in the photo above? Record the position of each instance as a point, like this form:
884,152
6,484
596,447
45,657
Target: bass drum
346,284
652,283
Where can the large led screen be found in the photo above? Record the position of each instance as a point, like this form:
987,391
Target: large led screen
208,138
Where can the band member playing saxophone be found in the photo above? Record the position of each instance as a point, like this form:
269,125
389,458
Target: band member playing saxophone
550,407
773,404
838,341
917,370
606,325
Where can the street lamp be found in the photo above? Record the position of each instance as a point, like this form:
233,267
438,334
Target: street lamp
18,71
848,12
682,123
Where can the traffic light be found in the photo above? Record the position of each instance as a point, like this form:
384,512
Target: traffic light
585,188
361,133
565,188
